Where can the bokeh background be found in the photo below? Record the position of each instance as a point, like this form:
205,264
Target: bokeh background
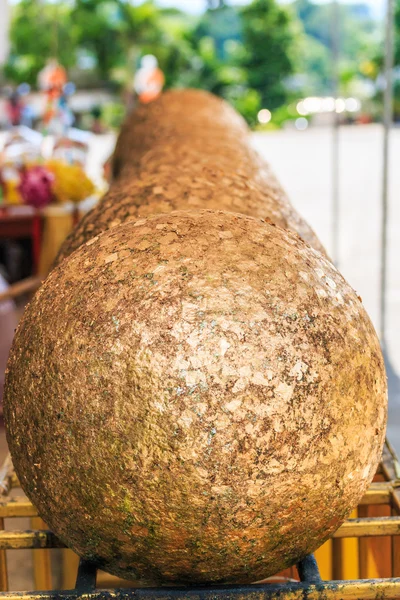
259,54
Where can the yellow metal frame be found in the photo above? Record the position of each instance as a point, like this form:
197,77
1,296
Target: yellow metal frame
365,549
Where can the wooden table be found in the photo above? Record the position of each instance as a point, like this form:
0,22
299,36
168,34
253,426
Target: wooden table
17,222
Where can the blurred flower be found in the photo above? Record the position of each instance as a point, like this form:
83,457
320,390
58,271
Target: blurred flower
11,192
71,184
36,186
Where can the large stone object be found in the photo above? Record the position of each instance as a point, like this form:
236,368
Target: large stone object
189,149
195,397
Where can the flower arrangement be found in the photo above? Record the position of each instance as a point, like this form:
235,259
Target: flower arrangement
36,186
71,184
28,177
40,184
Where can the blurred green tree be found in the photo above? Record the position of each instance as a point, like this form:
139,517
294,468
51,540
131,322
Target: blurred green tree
267,38
113,29
109,31
260,55
359,41
39,31
243,54
100,31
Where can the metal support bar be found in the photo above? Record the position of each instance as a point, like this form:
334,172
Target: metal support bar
86,578
369,589
378,493
41,538
3,565
369,526
33,539
308,570
17,507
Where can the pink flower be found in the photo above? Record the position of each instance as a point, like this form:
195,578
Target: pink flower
36,186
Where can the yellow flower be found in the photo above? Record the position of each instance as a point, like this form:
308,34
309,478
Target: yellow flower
71,183
12,194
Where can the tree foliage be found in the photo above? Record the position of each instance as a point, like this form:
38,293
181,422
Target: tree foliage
267,39
39,31
258,55
244,54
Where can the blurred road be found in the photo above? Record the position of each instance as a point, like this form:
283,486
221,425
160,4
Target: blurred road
302,162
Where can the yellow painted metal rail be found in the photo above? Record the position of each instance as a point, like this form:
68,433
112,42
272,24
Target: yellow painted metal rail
367,546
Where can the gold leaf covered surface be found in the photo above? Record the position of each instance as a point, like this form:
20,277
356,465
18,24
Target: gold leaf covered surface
188,150
195,397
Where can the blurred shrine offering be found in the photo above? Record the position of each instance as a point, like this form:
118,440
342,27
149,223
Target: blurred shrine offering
149,80
73,147
43,184
18,109
52,77
36,186
22,146
31,174
53,82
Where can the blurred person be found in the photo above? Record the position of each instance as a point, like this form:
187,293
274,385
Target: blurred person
27,116
27,112
52,79
149,80
64,114
14,109
97,125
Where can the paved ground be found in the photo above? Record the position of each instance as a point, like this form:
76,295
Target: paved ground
302,161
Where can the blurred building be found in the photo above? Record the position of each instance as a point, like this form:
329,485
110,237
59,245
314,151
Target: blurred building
4,25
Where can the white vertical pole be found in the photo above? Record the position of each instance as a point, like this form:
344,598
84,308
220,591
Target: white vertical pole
387,122
4,30
335,32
